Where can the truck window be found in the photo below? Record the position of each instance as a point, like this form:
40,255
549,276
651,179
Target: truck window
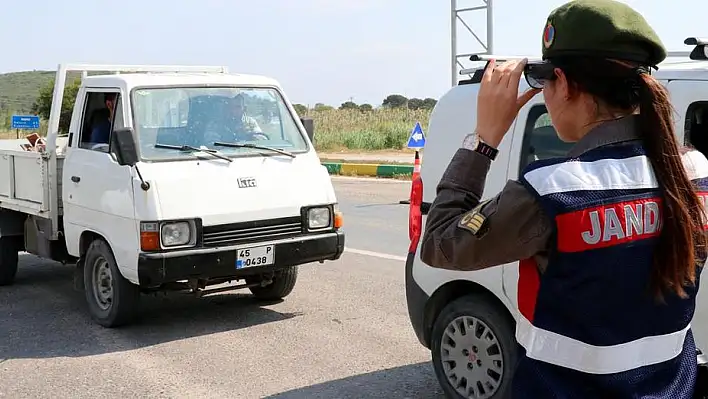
696,126
203,116
540,138
98,117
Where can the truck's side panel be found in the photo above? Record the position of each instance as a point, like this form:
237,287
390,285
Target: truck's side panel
23,179
31,190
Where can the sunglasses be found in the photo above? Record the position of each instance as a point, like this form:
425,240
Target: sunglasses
537,73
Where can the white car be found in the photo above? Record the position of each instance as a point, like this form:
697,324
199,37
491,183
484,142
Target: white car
486,300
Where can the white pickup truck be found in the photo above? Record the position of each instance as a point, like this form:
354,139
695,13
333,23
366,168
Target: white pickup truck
170,178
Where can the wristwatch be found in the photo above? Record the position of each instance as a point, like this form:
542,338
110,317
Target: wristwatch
485,149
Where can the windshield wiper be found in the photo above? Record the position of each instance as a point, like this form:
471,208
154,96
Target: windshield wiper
254,146
194,149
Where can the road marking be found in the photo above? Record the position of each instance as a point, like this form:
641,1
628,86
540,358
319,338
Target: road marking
370,179
375,254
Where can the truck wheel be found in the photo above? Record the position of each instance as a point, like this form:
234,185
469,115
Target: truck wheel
473,349
8,260
112,300
282,285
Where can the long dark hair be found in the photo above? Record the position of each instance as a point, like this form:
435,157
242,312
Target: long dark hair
621,87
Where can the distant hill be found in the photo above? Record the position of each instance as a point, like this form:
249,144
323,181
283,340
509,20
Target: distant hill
18,90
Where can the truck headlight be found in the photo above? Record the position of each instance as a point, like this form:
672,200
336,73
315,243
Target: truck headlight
319,218
175,234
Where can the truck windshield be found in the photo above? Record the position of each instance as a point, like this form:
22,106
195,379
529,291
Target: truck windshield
201,116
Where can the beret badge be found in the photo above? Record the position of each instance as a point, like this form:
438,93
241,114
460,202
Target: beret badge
549,33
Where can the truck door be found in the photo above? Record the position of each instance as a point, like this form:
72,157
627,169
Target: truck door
534,138
97,192
690,101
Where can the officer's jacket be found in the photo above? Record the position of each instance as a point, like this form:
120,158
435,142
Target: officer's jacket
584,228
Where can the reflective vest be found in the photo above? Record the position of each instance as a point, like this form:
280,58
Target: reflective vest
589,326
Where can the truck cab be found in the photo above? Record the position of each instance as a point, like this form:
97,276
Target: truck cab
485,301
181,179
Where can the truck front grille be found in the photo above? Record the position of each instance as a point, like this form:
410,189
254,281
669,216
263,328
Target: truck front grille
247,232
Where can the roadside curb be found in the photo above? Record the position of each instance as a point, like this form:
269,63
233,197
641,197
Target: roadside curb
367,169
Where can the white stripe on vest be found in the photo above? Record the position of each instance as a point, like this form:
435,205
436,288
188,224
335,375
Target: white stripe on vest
605,174
563,351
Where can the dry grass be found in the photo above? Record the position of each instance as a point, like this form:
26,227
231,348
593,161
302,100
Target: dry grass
382,129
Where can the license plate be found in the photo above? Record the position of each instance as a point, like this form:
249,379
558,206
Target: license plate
255,256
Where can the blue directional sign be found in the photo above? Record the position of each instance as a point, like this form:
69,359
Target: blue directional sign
417,137
28,122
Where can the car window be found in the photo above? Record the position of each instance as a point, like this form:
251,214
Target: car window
540,139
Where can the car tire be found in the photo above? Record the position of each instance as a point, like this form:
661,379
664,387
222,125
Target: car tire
8,259
282,285
482,373
112,299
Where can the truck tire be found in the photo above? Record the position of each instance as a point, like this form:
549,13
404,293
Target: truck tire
282,285
8,259
112,300
474,349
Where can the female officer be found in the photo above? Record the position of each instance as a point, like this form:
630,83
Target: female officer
610,237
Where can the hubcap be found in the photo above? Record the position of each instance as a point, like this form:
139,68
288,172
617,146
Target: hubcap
102,284
471,357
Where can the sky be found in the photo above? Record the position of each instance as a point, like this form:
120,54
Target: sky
327,51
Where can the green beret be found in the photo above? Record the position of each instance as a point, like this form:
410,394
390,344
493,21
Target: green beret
605,28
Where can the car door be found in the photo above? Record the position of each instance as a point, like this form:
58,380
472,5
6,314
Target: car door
97,192
690,101
534,139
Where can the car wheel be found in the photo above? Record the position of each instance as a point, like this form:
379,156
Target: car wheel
112,300
474,349
8,259
282,285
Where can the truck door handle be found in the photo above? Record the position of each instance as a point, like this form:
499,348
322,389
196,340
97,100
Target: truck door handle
75,179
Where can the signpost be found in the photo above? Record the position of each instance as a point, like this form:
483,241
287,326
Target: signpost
416,141
417,138
24,122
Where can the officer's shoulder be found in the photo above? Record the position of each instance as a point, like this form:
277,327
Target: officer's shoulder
542,163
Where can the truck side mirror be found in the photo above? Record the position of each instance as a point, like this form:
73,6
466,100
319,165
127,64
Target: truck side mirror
124,144
309,125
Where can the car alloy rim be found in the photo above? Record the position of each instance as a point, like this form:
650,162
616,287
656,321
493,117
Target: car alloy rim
472,357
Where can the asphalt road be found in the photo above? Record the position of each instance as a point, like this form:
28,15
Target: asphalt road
343,333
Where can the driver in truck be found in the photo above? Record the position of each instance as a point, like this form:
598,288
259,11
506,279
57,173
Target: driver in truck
242,126
102,118
610,237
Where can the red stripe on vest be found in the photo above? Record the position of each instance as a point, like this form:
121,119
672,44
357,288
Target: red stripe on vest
527,292
609,224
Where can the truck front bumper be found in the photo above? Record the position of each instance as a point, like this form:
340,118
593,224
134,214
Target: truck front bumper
210,263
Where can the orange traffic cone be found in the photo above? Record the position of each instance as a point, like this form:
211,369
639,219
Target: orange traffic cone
416,166
415,175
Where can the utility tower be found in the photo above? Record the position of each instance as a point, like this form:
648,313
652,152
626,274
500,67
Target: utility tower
465,29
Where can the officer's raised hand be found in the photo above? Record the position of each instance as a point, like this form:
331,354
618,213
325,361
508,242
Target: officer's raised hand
498,101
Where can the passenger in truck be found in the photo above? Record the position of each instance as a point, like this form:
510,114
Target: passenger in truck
102,118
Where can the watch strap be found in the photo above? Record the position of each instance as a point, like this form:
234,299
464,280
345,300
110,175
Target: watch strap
486,150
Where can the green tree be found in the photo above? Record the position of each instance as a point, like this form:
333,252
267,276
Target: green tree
366,108
395,101
415,103
300,109
43,104
323,107
349,105
429,103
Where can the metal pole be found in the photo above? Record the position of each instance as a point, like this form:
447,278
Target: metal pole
490,27
453,41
